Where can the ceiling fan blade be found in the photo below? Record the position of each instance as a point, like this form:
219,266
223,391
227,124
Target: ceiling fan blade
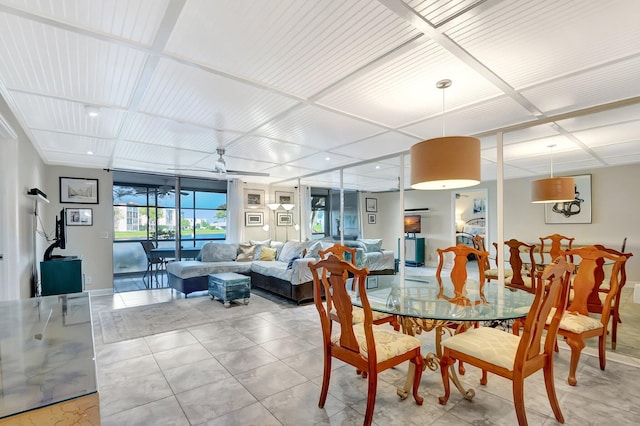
245,173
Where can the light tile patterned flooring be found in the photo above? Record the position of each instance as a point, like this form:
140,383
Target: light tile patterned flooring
267,370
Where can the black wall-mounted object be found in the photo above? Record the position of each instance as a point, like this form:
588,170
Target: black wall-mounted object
36,191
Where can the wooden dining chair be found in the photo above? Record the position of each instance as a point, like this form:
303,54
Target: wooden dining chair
523,273
576,325
458,273
358,315
516,357
489,272
599,294
556,244
369,348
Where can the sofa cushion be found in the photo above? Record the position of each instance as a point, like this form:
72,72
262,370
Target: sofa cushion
278,245
372,244
355,244
245,252
290,250
219,252
192,268
267,253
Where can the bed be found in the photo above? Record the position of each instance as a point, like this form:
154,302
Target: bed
471,228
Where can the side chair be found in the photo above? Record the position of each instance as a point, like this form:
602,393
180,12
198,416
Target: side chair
358,316
489,272
516,357
575,324
597,296
158,262
555,242
369,348
523,273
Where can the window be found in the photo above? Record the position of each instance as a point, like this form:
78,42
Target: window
148,211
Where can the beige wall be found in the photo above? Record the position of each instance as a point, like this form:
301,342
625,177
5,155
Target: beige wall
614,215
94,244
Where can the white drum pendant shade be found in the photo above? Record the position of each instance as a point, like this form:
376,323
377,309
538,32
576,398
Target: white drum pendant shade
553,190
445,163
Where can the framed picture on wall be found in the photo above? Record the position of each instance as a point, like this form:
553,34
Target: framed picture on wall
253,218
284,219
284,197
254,198
78,190
577,210
371,204
372,218
79,217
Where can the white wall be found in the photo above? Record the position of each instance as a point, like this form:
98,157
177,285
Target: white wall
23,169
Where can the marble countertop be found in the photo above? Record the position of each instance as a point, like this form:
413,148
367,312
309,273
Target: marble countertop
46,352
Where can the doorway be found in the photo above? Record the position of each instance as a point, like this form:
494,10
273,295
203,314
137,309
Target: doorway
470,210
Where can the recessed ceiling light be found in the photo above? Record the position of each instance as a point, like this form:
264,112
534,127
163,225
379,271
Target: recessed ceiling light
92,111
327,158
90,152
377,167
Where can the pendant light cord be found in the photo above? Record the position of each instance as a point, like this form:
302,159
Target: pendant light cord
443,116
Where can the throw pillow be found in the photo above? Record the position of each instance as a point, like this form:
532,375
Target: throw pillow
372,244
290,250
278,245
267,253
293,259
219,252
312,251
356,244
266,242
245,252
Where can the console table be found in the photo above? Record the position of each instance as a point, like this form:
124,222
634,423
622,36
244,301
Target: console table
47,367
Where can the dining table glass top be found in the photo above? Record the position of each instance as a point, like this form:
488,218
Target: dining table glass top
428,297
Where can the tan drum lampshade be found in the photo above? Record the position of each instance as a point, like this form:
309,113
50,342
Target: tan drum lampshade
445,163
553,190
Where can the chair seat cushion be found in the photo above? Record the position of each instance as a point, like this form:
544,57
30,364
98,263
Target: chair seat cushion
488,344
389,343
575,322
358,315
493,273
525,279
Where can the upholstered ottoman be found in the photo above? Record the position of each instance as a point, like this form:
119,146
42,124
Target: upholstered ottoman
228,286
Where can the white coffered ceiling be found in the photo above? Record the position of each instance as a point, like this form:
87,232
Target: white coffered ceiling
295,88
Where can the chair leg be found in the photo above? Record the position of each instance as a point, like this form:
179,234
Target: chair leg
483,379
371,397
518,399
551,390
417,377
445,362
602,350
326,376
614,328
576,344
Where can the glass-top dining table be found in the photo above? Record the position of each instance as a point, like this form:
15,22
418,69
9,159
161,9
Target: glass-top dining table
425,303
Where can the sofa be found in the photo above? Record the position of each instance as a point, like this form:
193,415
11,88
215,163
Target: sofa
281,268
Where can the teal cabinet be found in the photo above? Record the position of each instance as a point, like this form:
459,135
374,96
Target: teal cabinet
61,276
414,251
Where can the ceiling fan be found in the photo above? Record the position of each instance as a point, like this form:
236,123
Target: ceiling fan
220,167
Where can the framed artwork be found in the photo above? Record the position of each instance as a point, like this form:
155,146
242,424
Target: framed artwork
478,206
284,218
253,218
78,190
254,198
371,204
577,210
372,218
284,197
79,217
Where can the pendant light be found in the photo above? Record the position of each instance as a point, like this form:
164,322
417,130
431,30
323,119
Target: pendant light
553,190
447,162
